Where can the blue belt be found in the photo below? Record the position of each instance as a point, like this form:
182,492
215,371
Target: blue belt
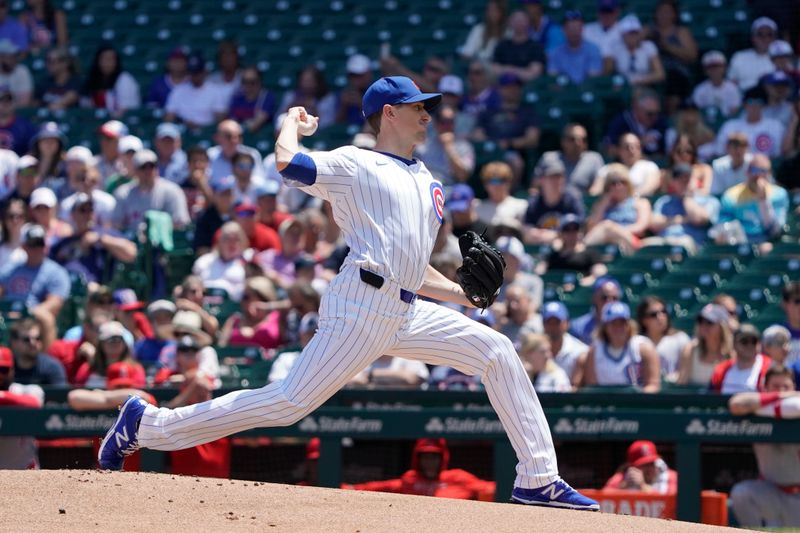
377,281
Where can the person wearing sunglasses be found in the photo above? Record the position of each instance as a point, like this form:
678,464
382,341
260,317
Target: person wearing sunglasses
605,289
39,283
251,104
745,371
759,205
172,160
747,66
13,219
229,138
148,192
497,178
17,453
32,366
712,343
645,120
655,324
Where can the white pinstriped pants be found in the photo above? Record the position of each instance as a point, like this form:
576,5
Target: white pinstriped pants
358,324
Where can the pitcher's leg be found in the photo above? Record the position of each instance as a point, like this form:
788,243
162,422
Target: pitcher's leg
340,349
442,336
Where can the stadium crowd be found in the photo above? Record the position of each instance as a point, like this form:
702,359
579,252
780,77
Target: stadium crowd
263,253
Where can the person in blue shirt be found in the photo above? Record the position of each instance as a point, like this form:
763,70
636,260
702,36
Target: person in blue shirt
11,29
544,30
759,205
39,282
576,58
16,132
252,105
176,73
680,217
606,289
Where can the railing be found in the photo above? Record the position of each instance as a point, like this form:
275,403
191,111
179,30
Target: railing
688,420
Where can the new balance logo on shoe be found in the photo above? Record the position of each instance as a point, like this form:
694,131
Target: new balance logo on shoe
123,436
554,491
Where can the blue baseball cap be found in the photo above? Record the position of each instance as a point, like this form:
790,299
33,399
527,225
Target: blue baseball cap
569,219
460,199
615,311
223,184
607,5
602,280
555,310
777,77
395,90
167,129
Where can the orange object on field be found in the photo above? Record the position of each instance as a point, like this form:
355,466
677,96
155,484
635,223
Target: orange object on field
714,505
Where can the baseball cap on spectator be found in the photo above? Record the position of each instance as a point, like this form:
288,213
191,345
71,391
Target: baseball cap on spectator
573,14
755,95
267,188
601,282
714,57
555,310
49,130
312,448
126,300
451,84
615,311
747,331
763,22
776,335
27,161
130,143
196,64
681,169
247,209
123,374
114,129
552,167
395,90
606,6
43,196
358,64
309,323
509,78
82,199
286,225
34,235
570,220
179,51
513,247
8,47
6,358
109,330
461,197
780,48
144,157
714,313
188,342
777,77
161,305
642,452
80,154
168,130
190,323
629,23
484,316
223,184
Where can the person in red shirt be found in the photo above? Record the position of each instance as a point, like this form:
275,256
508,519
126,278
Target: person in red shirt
261,237
267,199
114,345
429,476
644,471
128,312
17,452
746,371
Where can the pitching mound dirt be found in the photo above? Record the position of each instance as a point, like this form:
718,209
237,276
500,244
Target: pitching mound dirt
85,500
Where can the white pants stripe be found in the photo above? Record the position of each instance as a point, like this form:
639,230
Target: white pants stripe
359,324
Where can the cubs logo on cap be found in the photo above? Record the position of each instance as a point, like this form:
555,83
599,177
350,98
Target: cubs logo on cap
395,90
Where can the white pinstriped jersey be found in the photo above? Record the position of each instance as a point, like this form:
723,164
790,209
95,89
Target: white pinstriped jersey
389,211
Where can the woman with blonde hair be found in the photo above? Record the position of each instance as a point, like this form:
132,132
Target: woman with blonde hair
500,206
258,322
223,267
537,359
619,356
618,217
712,344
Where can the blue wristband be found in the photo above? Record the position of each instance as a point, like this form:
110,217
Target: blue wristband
301,168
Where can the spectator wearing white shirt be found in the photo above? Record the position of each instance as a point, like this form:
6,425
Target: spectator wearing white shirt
285,360
109,86
228,78
782,56
716,91
764,134
484,36
229,142
17,77
223,268
500,206
747,66
731,169
605,30
567,349
537,359
634,57
198,102
745,372
104,204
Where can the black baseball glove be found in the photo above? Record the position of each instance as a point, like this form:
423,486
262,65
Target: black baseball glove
481,273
